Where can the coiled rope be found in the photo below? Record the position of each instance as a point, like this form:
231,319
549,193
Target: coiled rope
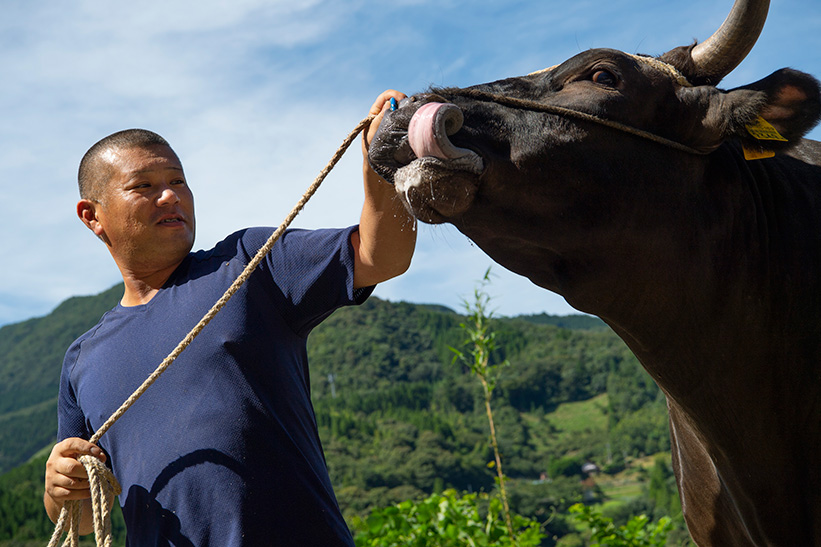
103,484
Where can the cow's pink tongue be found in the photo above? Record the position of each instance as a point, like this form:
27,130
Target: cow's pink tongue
429,129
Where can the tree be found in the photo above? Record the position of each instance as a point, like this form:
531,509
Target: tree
482,342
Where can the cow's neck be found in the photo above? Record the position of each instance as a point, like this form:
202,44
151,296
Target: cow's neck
725,311
724,325
696,295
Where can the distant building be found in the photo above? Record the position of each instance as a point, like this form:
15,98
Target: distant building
590,468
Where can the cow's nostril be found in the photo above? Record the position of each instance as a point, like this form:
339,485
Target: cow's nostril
404,153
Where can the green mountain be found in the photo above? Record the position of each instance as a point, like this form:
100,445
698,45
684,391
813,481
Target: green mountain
576,322
397,417
31,354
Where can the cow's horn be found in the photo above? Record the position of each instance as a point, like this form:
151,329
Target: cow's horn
723,51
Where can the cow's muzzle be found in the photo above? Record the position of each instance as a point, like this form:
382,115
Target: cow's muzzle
420,128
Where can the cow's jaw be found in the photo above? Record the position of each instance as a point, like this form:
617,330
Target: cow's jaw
435,190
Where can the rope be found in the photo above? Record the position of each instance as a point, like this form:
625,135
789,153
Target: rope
104,485
568,112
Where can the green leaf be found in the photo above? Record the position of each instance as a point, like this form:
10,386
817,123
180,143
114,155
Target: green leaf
375,523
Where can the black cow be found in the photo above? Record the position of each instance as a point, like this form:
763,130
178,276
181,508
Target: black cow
645,195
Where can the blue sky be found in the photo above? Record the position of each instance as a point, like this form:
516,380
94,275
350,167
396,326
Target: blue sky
256,95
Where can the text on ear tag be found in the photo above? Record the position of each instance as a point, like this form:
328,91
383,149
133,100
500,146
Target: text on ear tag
763,130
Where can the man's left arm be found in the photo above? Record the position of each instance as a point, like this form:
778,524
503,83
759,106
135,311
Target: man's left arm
384,244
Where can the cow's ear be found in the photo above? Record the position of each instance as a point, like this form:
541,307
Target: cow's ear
792,107
769,115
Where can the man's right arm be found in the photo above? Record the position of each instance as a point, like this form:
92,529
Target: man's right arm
66,479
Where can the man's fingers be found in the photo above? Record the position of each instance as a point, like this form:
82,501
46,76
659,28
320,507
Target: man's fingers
66,494
378,109
63,487
384,98
66,477
70,467
75,447
68,482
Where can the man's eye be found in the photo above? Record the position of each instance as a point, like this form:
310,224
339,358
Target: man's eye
178,181
604,77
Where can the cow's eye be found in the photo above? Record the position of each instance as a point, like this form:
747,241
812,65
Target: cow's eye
604,77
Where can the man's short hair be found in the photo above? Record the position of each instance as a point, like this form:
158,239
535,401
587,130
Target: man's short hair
95,171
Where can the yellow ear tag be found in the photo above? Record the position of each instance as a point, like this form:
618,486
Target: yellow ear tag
763,130
756,153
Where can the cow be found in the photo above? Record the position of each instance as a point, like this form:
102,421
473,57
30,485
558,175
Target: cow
687,217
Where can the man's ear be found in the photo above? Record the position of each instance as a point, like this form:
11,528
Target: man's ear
87,211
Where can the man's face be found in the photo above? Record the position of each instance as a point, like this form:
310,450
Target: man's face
146,210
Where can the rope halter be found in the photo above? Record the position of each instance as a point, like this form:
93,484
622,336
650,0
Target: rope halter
524,104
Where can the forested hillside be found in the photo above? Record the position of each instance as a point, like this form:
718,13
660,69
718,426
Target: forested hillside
31,354
397,417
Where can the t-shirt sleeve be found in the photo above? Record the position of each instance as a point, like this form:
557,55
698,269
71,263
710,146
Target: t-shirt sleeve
70,419
314,271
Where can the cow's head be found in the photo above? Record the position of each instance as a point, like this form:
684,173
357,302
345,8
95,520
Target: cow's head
541,191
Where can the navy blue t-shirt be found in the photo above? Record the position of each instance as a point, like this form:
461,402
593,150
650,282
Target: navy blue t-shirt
223,449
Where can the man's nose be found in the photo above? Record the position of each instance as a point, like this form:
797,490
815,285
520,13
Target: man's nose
168,197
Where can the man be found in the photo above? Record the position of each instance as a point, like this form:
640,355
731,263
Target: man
223,449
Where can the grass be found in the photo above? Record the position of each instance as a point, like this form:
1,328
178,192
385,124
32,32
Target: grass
550,430
620,489
627,485
580,416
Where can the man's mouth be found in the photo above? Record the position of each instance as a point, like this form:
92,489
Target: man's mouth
171,220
